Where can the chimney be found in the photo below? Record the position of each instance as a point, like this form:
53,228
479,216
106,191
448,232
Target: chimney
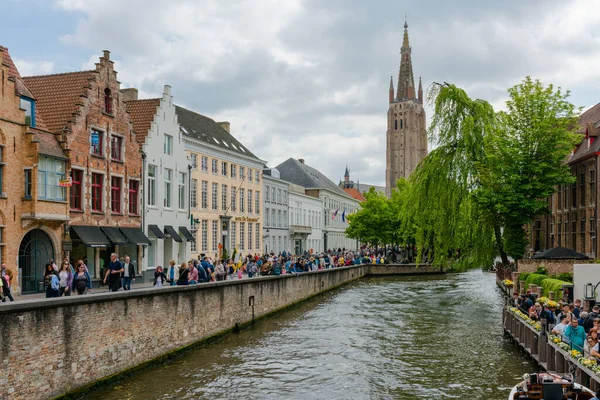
225,125
106,54
301,160
129,94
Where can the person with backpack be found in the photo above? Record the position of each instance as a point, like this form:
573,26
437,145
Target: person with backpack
588,322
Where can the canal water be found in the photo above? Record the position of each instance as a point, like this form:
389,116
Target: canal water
436,337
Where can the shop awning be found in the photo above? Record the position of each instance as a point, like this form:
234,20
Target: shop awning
187,234
114,235
91,236
156,231
135,236
171,232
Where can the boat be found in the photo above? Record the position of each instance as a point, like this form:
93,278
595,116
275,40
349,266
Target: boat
548,386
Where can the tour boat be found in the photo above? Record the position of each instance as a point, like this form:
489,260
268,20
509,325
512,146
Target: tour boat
547,386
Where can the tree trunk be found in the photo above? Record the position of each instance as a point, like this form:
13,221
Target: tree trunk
498,235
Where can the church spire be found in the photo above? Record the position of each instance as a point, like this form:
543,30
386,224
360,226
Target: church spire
405,76
420,92
391,89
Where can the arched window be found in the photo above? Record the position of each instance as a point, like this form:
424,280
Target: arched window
396,124
401,124
107,101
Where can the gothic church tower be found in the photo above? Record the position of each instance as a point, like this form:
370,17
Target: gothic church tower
406,138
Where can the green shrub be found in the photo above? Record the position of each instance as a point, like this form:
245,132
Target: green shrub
565,276
535,279
542,270
523,276
553,285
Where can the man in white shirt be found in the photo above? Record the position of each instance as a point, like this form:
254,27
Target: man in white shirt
128,273
559,329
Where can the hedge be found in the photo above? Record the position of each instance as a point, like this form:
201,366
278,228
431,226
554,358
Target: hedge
535,279
553,285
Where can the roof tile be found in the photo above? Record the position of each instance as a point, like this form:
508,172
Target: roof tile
141,114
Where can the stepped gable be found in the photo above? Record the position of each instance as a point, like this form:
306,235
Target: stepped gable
59,96
141,114
200,127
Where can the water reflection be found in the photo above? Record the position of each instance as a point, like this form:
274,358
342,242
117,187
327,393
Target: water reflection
378,338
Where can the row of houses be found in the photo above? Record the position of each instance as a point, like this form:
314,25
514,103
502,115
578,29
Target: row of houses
87,168
573,220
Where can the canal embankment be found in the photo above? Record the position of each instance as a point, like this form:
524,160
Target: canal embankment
67,345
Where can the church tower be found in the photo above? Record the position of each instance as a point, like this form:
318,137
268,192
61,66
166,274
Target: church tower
406,137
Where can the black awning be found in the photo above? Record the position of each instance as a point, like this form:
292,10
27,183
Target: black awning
187,234
171,232
156,231
114,235
135,236
91,236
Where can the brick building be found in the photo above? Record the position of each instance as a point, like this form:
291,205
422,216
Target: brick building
86,112
573,221
33,207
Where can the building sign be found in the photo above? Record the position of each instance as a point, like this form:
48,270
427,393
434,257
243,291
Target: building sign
65,182
246,219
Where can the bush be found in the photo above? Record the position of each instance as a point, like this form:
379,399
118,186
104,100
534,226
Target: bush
565,276
524,275
542,270
553,285
535,279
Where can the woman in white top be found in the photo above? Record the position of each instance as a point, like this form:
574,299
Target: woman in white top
65,277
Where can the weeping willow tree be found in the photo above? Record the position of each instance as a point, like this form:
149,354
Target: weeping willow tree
445,215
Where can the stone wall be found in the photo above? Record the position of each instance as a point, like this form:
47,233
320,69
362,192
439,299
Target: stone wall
554,267
50,347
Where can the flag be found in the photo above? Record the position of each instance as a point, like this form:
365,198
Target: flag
344,216
335,214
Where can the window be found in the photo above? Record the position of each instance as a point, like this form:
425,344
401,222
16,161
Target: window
223,197
204,194
250,233
267,220
257,236
76,189
28,183
250,200
204,235
215,232
168,145
194,193
582,190
279,196
107,101
592,187
285,219
168,180
134,190
50,171
242,200
267,191
233,171
233,235
273,218
115,194
242,236
151,185
215,196
1,168
194,160
233,199
204,164
285,196
181,191
214,166
279,221
573,195
273,198
28,105
193,246
97,181
96,142
242,173
223,168
257,178
257,202
116,148
249,180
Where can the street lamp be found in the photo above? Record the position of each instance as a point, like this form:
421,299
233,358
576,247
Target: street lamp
589,291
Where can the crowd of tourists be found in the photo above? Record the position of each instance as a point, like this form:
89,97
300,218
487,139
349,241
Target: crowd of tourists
568,321
64,279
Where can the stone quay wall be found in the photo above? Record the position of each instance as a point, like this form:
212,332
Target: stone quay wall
554,267
65,345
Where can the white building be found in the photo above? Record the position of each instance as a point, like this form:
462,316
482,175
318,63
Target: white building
337,203
306,221
166,171
275,206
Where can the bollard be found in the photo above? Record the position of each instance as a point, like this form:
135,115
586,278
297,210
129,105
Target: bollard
551,295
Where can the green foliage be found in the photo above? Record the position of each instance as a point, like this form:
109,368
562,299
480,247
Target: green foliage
523,276
565,276
535,279
225,254
553,285
541,270
233,254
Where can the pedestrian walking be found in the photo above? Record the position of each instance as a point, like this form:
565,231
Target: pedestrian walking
65,278
113,273
128,273
51,282
172,273
82,283
159,277
6,279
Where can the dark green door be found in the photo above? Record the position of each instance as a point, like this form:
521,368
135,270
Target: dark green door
35,251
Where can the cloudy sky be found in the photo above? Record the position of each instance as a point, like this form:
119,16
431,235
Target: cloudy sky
309,79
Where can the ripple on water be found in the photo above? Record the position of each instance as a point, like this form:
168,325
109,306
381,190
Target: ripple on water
378,338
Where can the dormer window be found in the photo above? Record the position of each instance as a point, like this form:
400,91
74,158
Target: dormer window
107,101
28,105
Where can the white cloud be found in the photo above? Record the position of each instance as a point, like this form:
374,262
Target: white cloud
31,68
